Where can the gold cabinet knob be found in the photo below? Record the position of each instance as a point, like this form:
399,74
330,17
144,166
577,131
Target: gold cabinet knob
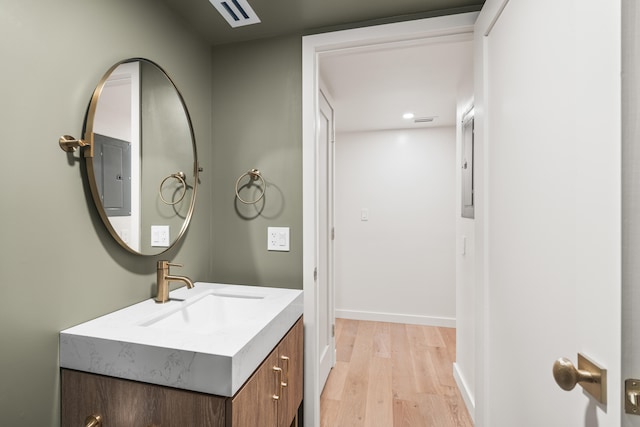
93,421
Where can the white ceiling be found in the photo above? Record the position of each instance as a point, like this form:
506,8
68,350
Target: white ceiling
373,87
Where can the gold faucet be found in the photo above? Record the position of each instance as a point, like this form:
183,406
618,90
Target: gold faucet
164,278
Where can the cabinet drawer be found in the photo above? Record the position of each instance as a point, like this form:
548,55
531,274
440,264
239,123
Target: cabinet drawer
125,403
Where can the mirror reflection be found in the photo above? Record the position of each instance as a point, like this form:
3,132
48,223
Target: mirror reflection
142,168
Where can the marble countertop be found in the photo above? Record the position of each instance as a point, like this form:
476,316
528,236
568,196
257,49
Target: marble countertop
210,338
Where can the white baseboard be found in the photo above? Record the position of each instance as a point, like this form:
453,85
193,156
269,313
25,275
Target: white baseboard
467,395
446,322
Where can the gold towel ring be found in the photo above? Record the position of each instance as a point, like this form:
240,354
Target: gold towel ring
254,175
180,176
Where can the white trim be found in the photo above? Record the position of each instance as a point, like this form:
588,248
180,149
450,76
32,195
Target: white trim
412,319
312,47
467,394
309,248
491,12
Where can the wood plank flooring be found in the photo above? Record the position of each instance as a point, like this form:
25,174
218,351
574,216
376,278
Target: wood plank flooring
392,375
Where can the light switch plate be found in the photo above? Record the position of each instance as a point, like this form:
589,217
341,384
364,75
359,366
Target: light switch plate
278,239
160,237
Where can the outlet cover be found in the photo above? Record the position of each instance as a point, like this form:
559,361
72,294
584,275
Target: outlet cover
278,239
160,236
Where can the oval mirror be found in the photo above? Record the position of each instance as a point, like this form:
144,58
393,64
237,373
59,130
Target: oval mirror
141,157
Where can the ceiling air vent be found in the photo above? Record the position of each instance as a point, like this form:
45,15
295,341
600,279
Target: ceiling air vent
236,12
424,119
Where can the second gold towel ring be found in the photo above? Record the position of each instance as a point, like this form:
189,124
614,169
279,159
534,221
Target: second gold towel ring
180,176
254,175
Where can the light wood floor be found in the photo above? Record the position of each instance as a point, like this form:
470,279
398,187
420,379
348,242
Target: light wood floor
392,375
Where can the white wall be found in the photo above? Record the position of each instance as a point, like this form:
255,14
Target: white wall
464,366
400,264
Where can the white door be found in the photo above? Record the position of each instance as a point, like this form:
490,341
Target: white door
551,140
326,139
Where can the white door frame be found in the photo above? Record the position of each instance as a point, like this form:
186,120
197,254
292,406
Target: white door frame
312,47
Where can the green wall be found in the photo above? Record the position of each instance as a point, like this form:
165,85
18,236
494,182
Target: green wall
257,123
59,266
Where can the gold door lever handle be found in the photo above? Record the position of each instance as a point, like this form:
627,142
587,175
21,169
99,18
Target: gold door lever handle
589,375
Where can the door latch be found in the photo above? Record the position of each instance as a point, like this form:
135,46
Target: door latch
632,396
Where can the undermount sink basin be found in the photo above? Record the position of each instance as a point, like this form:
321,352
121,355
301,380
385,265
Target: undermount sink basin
209,313
208,339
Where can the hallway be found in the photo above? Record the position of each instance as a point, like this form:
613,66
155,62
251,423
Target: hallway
390,374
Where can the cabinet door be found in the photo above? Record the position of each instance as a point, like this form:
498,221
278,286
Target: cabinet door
124,403
290,355
255,405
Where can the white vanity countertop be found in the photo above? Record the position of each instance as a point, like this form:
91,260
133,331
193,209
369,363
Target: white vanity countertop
210,338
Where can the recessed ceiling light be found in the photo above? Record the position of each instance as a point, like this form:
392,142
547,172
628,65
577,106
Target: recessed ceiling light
236,12
408,116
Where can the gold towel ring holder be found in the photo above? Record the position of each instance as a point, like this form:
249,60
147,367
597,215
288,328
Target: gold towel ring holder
254,175
180,176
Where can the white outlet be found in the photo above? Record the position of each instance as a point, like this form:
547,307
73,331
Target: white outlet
278,239
160,236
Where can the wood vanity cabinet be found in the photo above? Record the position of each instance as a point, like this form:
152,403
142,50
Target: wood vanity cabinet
273,393
126,403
